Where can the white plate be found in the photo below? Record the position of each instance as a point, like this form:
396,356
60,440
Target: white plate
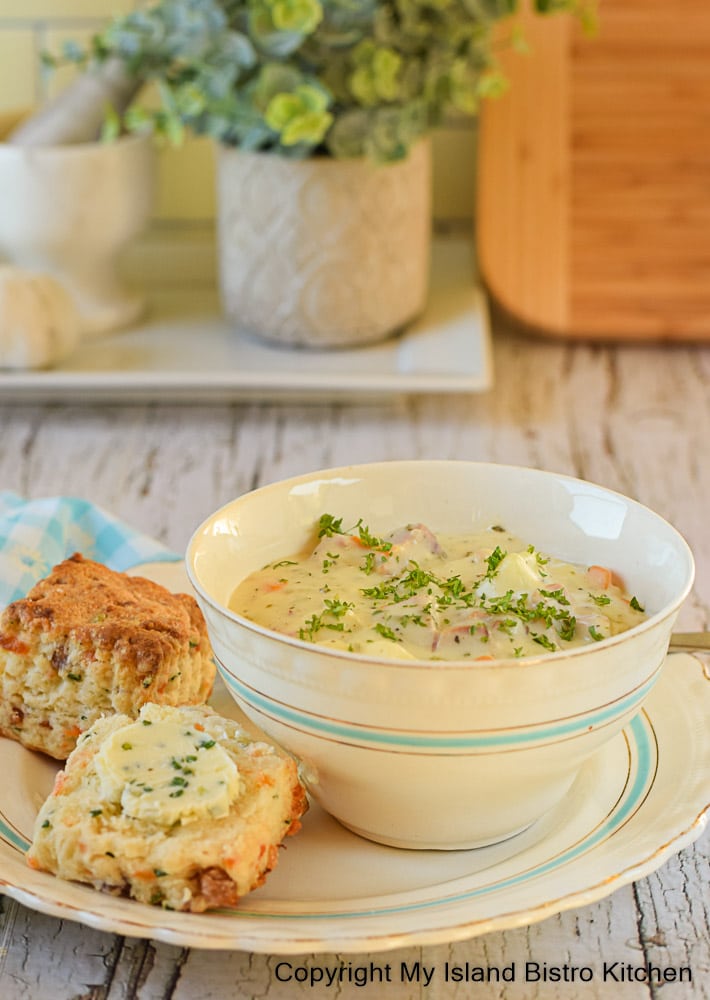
185,351
643,798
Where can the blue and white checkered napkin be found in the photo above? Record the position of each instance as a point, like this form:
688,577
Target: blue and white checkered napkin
35,535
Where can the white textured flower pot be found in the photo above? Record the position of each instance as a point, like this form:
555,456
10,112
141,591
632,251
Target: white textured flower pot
70,210
323,253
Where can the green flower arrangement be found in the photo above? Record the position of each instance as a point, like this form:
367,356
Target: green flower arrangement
340,78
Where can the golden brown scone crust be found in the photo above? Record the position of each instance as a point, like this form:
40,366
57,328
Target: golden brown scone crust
200,865
87,641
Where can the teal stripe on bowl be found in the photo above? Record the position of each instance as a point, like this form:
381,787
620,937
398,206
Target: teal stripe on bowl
360,734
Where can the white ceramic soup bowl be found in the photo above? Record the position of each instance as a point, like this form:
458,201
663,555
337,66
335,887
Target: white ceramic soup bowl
436,754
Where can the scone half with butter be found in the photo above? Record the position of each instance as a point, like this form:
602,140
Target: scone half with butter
88,641
178,808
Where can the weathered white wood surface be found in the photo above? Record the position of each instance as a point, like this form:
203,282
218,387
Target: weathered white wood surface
635,419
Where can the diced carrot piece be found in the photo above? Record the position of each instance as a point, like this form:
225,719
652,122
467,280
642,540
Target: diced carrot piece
486,656
13,645
600,576
276,585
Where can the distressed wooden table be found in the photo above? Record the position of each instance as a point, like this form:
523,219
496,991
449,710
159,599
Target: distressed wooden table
635,419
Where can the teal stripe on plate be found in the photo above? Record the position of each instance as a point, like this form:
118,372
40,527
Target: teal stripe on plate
8,834
639,734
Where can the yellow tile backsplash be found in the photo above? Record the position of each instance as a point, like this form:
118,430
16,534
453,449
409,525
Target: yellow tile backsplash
17,68
58,10
186,175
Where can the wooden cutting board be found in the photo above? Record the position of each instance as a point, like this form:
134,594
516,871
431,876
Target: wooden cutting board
593,190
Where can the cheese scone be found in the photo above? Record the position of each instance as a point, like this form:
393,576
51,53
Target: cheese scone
179,808
87,641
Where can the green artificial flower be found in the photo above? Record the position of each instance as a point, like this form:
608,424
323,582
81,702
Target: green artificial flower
376,76
343,77
301,116
302,16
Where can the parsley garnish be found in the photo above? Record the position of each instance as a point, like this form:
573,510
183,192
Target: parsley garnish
494,560
556,595
329,526
385,632
635,604
338,608
601,599
567,628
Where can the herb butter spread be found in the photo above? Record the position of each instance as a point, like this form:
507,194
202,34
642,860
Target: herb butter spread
413,594
163,770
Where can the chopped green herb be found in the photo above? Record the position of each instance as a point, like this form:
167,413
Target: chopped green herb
596,635
338,608
635,604
543,640
568,628
494,560
600,599
329,526
126,746
385,632
555,595
369,563
372,541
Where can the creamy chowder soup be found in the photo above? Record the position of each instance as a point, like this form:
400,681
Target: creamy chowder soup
414,594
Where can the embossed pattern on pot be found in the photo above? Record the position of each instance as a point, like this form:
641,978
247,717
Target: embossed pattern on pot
323,253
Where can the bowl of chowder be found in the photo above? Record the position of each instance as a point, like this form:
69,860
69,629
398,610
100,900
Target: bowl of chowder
441,644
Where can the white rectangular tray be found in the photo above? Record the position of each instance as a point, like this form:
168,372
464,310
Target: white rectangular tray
186,351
